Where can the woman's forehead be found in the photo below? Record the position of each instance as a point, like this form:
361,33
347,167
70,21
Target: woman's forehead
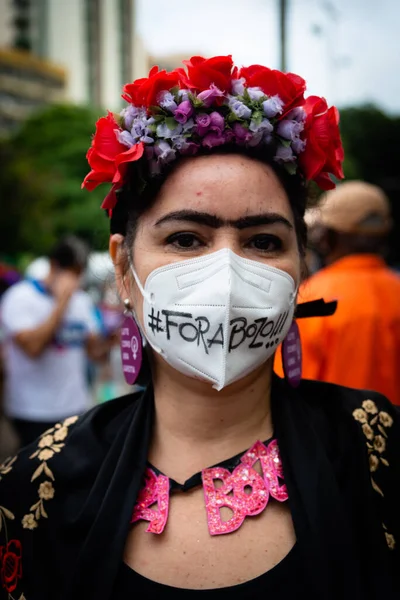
227,186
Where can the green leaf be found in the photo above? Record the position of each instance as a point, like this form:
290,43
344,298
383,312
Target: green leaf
197,102
174,91
157,110
246,97
232,118
285,143
171,123
257,117
291,168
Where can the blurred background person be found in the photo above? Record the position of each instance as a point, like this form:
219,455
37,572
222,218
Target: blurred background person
48,326
359,346
8,439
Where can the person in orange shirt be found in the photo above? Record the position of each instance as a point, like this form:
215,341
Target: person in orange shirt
359,346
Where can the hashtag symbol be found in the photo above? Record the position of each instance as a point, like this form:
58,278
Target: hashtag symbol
155,321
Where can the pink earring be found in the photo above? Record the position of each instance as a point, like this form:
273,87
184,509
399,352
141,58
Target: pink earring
292,355
131,346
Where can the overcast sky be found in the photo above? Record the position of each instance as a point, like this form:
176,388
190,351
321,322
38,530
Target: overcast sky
347,50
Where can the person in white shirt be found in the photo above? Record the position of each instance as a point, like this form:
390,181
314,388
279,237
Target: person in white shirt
49,326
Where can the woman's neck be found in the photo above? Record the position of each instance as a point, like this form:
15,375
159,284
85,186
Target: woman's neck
196,426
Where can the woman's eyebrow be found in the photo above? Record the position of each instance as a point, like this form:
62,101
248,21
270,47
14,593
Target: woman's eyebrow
203,218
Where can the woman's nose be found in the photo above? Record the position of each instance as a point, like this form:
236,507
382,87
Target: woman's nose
227,239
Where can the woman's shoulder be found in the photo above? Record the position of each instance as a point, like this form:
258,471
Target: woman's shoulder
64,459
359,415
332,397
50,493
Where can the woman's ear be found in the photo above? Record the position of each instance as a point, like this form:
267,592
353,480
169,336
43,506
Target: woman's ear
120,260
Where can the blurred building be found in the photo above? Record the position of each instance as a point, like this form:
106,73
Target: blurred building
94,41
26,84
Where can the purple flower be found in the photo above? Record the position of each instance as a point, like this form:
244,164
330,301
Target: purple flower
242,134
298,145
155,167
284,154
239,108
297,114
184,111
255,93
256,139
124,137
163,131
149,152
260,131
137,131
217,122
146,139
186,147
238,86
203,123
164,152
265,126
167,101
289,130
272,107
208,96
183,95
211,140
188,126
129,114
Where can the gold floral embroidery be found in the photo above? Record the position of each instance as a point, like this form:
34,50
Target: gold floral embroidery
370,407
385,419
28,522
360,415
50,443
391,542
4,515
7,466
374,424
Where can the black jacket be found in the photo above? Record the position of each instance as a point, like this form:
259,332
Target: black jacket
66,500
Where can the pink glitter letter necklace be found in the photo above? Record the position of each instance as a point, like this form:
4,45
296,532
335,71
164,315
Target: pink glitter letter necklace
236,474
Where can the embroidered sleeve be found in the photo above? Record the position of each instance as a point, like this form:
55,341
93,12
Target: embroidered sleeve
376,426
34,470
50,443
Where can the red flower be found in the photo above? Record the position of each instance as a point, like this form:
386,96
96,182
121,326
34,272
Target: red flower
202,72
323,154
288,86
144,92
10,565
108,158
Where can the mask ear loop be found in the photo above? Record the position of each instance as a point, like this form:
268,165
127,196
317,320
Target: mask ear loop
150,299
146,295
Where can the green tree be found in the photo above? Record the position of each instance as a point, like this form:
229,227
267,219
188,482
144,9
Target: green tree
41,170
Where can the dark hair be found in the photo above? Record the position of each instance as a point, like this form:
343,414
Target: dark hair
70,253
141,190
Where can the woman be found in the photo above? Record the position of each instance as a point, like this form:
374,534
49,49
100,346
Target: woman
220,478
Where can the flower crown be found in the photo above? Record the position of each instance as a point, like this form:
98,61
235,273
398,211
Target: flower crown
211,104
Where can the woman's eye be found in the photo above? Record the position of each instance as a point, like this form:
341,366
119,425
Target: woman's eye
187,241
265,242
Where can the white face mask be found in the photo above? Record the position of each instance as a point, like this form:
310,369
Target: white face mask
217,317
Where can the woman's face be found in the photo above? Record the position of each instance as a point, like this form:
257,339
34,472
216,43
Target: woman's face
214,202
